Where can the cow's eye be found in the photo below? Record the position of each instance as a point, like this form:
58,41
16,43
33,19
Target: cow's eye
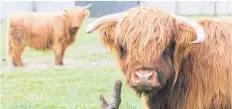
169,52
122,49
165,55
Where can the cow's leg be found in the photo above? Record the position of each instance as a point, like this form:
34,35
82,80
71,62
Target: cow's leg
59,54
16,55
15,49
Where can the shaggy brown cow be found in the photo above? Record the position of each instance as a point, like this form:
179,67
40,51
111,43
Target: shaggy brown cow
159,63
44,32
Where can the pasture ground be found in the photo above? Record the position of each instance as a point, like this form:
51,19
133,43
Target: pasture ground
89,71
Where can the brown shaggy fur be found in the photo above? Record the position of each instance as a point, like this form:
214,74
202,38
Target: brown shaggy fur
43,32
199,76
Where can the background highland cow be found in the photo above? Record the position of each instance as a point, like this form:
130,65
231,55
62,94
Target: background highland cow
44,32
158,61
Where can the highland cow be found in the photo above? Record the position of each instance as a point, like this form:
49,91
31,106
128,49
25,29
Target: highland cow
161,63
44,31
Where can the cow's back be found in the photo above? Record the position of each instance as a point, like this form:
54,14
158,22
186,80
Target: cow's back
35,30
210,73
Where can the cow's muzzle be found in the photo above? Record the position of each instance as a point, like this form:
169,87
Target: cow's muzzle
144,79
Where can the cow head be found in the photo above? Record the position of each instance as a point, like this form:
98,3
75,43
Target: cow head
76,15
149,44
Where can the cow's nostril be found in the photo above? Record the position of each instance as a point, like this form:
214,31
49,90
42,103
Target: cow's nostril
146,76
136,76
150,77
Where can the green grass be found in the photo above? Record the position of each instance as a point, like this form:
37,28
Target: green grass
88,72
66,89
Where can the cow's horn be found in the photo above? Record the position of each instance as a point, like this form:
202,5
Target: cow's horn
199,30
103,20
87,6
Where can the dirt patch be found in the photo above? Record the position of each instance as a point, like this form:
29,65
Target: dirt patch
41,64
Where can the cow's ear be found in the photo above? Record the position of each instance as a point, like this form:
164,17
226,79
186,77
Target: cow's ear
107,26
107,35
184,34
194,25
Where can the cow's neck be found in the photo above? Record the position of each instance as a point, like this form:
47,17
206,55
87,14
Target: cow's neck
169,98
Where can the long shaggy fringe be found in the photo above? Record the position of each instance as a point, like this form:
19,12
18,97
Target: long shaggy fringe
142,24
203,71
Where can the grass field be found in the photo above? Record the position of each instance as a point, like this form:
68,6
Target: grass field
89,71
